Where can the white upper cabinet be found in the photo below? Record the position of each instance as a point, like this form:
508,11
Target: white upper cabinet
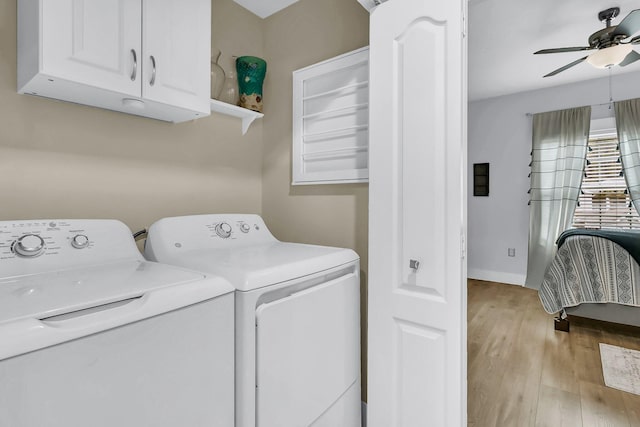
145,57
93,42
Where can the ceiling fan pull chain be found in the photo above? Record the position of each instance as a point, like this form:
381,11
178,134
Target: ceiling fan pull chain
610,92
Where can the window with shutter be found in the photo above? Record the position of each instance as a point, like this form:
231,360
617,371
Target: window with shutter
604,201
331,121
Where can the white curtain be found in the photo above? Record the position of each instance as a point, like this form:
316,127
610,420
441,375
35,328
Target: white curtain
628,124
557,166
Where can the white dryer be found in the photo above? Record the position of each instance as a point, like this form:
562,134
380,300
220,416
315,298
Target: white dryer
297,317
91,334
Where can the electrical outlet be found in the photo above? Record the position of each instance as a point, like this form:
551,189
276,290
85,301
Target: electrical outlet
511,252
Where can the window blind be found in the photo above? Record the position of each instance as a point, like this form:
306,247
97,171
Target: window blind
604,201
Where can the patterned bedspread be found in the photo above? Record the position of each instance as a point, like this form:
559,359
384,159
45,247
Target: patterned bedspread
590,269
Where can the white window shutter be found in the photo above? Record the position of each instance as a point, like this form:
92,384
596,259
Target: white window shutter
331,121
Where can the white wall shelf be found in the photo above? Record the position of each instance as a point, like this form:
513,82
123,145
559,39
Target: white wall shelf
247,116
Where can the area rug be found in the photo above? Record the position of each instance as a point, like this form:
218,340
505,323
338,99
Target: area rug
621,368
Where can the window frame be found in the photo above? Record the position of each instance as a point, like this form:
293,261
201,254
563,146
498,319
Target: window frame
603,142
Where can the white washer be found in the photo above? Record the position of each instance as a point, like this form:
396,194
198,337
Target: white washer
297,317
91,334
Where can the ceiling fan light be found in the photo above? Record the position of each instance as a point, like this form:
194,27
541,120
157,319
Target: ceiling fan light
610,56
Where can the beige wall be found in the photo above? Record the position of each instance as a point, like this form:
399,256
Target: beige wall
307,32
64,160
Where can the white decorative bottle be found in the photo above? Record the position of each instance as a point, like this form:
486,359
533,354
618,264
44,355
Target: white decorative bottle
217,76
230,88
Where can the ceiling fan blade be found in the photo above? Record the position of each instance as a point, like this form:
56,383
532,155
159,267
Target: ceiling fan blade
632,57
629,25
561,69
563,49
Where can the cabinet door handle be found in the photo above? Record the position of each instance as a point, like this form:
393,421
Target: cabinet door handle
134,73
153,71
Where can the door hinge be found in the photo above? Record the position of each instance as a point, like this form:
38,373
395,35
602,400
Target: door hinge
464,26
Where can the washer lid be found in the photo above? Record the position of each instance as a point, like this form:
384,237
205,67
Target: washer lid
257,266
45,295
41,310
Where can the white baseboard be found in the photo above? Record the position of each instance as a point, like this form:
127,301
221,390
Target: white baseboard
496,276
364,414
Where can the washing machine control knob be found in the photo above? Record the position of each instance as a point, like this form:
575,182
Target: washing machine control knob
223,230
245,228
80,241
29,246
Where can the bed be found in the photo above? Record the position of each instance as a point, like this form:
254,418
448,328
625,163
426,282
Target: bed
594,274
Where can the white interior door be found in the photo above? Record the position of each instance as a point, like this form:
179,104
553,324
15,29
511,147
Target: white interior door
95,42
417,270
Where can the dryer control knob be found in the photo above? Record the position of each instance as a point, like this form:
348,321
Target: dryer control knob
29,246
80,241
223,230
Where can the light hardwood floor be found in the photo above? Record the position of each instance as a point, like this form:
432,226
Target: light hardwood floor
521,372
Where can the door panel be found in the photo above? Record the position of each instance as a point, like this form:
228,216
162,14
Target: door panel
177,38
419,349
91,42
307,355
420,86
417,286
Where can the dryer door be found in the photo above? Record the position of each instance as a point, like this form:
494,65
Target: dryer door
308,356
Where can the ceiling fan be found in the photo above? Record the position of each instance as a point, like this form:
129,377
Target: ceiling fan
610,44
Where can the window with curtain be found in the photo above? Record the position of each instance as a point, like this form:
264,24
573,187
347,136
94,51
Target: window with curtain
562,153
604,201
628,126
559,146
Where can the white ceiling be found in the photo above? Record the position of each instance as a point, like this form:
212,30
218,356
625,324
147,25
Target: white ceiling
264,8
503,34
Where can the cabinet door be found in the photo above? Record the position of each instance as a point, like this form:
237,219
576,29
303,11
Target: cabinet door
94,42
177,56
